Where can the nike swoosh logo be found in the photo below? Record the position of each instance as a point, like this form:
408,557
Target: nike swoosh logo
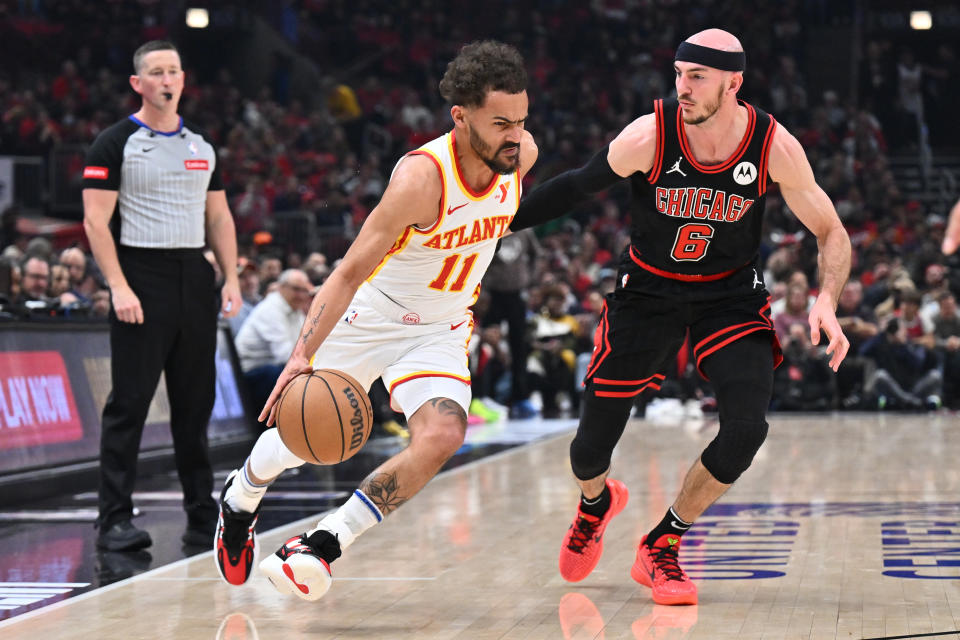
677,525
452,209
148,149
454,327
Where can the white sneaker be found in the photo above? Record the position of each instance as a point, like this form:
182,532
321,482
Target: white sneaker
299,567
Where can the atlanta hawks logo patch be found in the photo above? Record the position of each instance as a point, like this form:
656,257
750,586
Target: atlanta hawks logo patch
745,173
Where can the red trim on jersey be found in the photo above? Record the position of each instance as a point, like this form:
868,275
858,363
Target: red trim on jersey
626,394
431,374
717,334
601,343
443,189
397,246
627,382
684,277
463,180
658,159
725,343
729,162
765,157
764,324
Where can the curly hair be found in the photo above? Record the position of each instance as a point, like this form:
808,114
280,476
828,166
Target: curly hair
479,68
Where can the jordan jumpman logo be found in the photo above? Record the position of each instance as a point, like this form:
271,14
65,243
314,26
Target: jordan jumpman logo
676,167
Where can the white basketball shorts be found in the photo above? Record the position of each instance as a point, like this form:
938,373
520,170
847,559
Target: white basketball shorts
418,362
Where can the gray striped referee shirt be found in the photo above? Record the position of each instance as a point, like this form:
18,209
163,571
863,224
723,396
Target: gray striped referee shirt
162,179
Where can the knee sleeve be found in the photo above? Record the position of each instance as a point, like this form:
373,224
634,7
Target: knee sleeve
601,426
732,451
742,377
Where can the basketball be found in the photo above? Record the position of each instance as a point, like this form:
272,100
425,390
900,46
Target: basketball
324,417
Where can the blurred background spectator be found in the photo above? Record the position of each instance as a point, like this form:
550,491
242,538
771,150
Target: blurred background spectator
312,103
271,330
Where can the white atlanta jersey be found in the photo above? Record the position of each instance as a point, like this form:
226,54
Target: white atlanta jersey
435,273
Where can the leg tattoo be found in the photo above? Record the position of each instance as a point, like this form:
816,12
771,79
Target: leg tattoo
447,407
384,490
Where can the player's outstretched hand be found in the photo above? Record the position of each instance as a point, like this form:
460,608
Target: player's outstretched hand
295,366
822,316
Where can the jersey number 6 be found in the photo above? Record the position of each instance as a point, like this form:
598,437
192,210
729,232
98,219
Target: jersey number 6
692,242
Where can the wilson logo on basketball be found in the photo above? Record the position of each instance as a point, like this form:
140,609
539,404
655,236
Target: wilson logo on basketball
356,421
196,165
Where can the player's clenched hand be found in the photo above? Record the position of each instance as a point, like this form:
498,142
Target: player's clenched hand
126,305
295,366
823,317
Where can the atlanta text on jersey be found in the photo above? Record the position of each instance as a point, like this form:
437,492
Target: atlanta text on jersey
492,227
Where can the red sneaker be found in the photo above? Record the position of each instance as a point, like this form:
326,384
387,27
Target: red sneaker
299,567
583,543
657,567
235,541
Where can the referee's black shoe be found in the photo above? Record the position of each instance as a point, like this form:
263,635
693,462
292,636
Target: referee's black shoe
123,536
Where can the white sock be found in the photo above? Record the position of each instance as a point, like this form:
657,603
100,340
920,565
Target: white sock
353,518
269,458
243,494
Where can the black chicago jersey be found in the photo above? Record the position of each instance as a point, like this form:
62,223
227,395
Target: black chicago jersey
694,222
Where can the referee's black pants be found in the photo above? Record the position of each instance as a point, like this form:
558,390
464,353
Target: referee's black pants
178,337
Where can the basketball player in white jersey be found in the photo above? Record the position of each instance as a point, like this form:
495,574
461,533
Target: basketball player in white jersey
397,307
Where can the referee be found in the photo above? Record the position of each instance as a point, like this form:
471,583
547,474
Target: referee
161,174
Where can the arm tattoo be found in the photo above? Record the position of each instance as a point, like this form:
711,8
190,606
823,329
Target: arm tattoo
383,490
314,321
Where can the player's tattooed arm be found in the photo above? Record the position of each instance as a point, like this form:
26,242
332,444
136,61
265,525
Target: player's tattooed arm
314,321
384,490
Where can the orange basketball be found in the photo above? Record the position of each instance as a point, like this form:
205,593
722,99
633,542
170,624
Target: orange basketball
324,417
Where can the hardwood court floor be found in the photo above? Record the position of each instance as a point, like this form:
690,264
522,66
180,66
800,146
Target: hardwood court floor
846,527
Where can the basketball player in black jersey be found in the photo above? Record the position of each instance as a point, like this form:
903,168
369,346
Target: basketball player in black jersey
698,167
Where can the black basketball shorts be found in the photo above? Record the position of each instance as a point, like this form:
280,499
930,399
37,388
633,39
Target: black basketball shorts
639,334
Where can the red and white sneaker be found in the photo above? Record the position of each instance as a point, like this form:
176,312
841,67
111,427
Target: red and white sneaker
657,567
583,544
235,542
299,567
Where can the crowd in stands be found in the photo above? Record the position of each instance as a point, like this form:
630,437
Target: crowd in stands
332,157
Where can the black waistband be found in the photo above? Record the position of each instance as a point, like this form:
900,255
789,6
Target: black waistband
160,252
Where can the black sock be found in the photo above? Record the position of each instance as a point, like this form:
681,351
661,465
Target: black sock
671,523
598,506
323,543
